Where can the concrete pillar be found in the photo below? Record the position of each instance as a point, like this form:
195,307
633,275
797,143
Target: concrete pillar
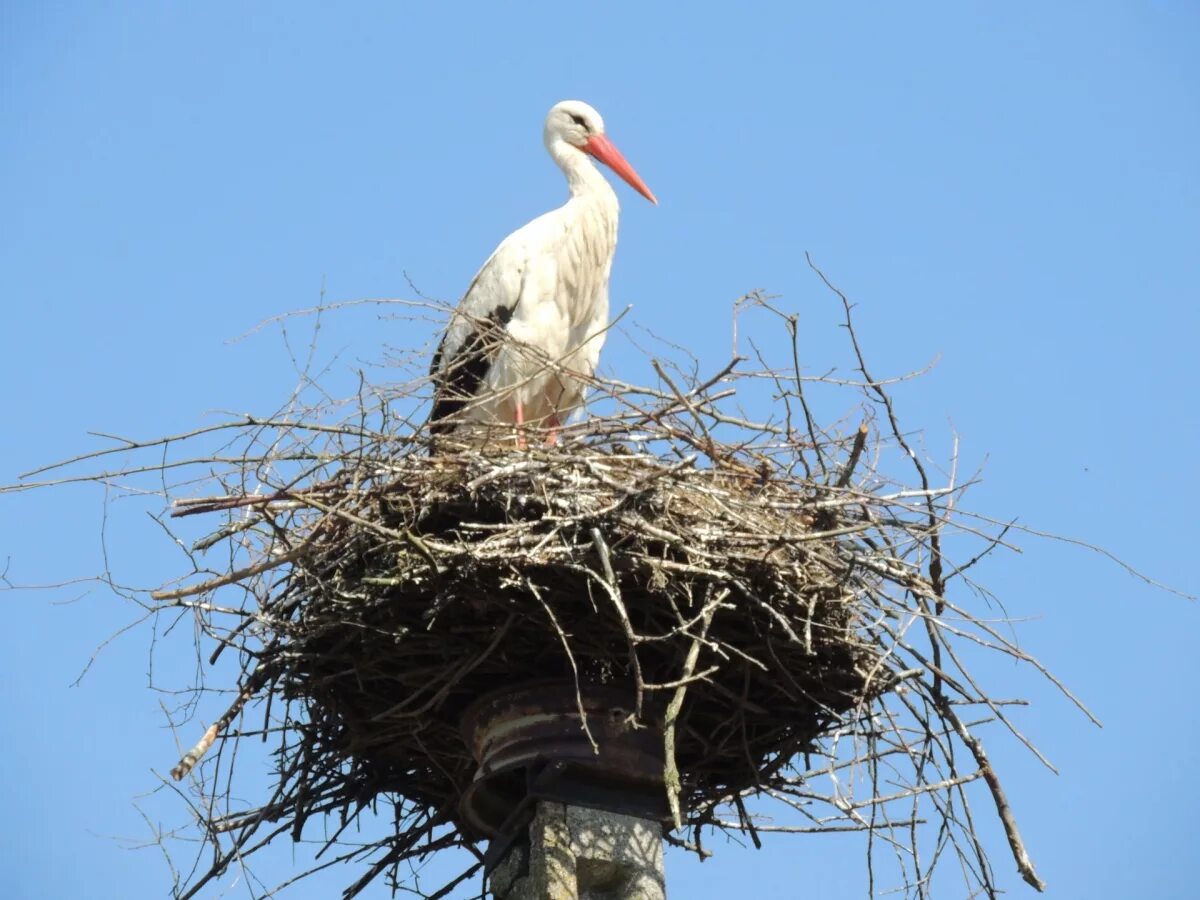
576,853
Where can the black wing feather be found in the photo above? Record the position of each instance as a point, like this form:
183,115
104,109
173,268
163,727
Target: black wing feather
458,384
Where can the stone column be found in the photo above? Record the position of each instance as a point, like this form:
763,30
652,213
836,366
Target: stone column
577,853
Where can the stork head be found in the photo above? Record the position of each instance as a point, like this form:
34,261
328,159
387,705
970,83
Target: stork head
578,125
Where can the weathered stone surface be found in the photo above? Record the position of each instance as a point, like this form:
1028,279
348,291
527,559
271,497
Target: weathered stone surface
576,853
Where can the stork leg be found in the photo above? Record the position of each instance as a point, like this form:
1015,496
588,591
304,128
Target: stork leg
520,415
552,426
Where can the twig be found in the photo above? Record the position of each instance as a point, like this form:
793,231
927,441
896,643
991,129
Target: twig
1020,855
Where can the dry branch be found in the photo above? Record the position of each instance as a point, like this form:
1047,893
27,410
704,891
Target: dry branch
774,593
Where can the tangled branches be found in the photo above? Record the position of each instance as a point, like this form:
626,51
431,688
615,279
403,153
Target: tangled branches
777,598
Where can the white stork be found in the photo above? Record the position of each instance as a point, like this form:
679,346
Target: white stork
527,334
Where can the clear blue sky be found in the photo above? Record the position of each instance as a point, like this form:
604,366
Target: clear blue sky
1012,187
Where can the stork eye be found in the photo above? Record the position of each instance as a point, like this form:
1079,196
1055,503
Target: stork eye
578,120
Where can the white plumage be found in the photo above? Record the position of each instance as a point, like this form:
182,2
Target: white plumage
527,334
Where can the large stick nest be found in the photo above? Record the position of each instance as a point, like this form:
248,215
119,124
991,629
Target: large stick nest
439,579
768,581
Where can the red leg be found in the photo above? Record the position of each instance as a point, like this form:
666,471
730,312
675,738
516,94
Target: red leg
552,434
520,426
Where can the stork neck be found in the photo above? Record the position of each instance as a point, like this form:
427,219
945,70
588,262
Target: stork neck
583,176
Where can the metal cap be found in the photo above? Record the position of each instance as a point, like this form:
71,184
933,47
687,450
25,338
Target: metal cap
530,744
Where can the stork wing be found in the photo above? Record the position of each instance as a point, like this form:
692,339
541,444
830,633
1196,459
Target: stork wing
464,356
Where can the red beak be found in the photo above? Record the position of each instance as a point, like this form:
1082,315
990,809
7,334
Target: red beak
604,150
